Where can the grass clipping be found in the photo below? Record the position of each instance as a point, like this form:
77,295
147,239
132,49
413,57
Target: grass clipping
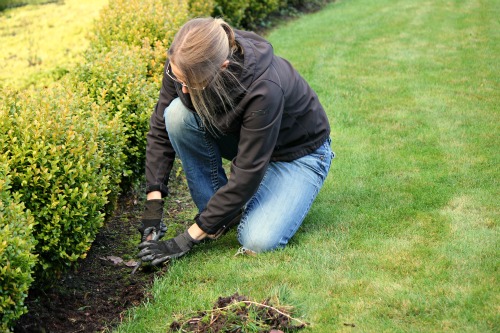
239,314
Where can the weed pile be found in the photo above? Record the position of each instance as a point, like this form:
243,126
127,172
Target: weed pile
238,314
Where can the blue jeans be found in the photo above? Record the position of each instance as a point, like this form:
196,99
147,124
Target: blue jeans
283,199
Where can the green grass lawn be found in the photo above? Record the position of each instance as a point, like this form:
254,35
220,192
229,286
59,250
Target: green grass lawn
404,235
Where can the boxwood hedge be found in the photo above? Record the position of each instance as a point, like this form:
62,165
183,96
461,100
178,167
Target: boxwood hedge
64,154
16,251
116,80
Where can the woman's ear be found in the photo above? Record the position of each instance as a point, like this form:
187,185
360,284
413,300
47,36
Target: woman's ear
225,64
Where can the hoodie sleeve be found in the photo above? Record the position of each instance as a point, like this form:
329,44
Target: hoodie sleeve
259,132
160,154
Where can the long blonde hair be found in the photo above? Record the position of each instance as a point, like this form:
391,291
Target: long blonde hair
198,50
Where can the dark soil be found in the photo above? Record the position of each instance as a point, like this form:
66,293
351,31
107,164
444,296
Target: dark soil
94,296
96,293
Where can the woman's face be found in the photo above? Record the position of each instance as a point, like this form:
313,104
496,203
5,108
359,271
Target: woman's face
179,77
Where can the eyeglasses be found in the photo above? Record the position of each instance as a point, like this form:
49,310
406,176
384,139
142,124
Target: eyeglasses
171,75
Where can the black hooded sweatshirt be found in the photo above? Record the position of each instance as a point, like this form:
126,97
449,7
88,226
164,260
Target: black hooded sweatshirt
278,118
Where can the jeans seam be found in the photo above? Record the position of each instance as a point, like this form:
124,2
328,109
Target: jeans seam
214,176
294,230
248,207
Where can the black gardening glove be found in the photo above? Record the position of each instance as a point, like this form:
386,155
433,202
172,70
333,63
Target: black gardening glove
158,252
151,223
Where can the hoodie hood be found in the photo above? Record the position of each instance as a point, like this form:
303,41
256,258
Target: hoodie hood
257,57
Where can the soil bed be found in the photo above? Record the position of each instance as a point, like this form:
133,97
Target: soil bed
95,295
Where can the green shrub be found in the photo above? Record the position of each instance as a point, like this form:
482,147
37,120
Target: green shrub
307,5
252,14
233,12
16,258
64,155
258,11
118,80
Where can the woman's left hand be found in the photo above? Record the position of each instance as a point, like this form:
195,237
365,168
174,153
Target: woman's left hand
159,252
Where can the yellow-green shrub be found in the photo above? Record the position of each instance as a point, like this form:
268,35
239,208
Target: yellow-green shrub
65,159
16,259
201,8
124,65
149,24
133,21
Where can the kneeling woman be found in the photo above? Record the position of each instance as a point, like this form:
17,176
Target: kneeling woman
225,94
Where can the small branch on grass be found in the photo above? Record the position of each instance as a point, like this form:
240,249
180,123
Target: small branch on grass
238,310
257,304
280,312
